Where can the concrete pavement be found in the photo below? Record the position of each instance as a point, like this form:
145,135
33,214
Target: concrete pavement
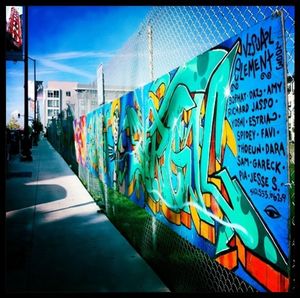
56,241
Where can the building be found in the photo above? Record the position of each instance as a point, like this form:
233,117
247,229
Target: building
86,99
82,98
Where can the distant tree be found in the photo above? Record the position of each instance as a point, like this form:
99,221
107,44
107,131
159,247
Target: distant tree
13,123
37,126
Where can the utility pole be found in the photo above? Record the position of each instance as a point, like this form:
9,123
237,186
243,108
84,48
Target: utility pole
35,95
26,153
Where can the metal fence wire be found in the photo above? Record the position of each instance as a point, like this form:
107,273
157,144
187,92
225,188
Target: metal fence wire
168,37
171,35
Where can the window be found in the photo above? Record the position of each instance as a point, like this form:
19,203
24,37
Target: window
52,112
53,93
50,93
68,93
53,103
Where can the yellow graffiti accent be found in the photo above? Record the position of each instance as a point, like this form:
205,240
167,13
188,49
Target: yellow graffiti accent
229,138
115,105
186,116
153,205
207,200
155,100
131,187
203,229
173,168
136,136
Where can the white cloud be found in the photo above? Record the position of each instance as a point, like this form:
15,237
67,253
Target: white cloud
76,55
16,73
66,68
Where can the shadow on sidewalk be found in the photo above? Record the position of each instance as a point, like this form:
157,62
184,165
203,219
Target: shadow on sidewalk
32,195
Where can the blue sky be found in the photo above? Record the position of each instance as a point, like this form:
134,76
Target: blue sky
69,43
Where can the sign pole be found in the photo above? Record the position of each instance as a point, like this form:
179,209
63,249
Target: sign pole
26,153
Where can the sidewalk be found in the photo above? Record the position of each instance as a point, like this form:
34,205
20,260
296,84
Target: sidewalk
55,239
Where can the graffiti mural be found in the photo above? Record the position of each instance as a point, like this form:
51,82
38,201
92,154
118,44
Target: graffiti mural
79,126
204,150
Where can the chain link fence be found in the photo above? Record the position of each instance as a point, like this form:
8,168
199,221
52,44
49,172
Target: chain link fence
171,35
168,37
60,134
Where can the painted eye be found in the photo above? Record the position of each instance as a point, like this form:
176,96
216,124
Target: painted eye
272,211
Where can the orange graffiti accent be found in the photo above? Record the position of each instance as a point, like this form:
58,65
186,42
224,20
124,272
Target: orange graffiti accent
269,277
136,106
151,118
171,215
204,229
173,145
136,136
215,208
185,219
177,218
161,160
228,260
208,231
182,144
156,172
153,205
158,138
160,92
225,193
241,251
189,139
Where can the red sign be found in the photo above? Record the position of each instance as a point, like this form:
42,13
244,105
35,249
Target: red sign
14,34
14,27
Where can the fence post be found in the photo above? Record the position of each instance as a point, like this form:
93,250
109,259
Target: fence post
150,49
100,85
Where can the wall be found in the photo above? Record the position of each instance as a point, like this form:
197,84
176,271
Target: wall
204,149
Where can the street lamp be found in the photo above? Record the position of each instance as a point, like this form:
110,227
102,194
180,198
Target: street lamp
26,153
